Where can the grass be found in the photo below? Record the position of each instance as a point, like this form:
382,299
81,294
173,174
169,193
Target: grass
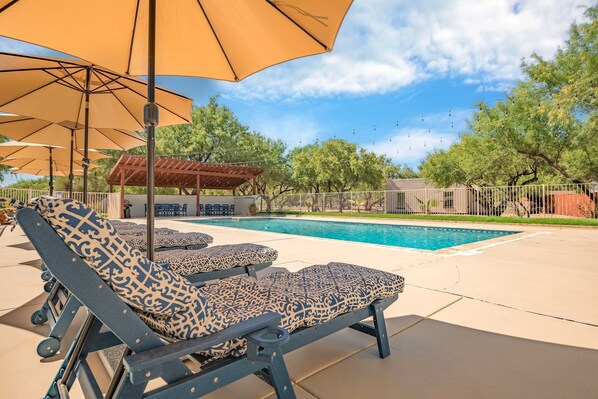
453,218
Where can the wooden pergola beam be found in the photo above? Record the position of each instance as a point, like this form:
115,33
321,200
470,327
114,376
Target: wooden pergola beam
189,172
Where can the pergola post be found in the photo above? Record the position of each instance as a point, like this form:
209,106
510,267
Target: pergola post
122,194
197,198
253,183
111,188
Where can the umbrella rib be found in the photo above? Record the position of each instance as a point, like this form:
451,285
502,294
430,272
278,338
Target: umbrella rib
12,3
72,73
26,118
109,139
60,80
28,93
132,38
144,96
125,107
35,131
230,65
104,84
297,25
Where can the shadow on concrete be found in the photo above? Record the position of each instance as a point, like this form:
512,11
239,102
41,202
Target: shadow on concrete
433,359
27,246
21,318
37,263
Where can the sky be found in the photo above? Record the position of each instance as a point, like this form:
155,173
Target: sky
403,78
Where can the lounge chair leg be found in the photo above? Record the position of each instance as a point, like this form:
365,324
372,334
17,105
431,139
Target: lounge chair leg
381,333
251,271
279,377
123,389
67,372
118,376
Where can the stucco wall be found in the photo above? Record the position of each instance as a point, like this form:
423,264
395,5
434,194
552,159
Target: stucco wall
138,202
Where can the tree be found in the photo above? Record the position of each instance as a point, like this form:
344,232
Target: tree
337,166
545,131
270,155
214,135
401,172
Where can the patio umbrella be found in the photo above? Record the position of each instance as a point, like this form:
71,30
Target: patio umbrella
218,39
66,134
78,94
11,151
56,170
46,171
40,167
28,163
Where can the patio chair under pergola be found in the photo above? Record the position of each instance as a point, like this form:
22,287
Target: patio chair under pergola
131,170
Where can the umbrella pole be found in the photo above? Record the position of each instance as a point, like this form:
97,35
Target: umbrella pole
86,135
51,174
71,177
151,120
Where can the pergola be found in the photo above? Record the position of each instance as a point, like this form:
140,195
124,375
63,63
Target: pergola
130,170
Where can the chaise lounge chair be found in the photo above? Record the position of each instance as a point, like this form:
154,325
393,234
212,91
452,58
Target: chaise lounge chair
60,307
234,327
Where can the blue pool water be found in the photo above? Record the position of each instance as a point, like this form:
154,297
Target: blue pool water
420,237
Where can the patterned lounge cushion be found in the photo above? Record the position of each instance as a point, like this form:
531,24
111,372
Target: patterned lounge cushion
168,240
141,230
186,262
144,285
119,223
306,298
12,202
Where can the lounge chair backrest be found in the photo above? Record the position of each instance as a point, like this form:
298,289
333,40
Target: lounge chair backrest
152,291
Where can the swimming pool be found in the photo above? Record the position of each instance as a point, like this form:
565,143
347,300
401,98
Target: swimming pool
419,237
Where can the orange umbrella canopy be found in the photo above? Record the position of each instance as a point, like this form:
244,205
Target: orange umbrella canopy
53,89
13,150
31,130
45,171
33,164
218,39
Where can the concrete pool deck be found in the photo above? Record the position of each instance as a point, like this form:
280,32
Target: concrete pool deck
515,317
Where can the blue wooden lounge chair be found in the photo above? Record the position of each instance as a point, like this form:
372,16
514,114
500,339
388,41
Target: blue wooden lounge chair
224,210
234,328
217,210
209,210
202,211
183,211
231,210
59,308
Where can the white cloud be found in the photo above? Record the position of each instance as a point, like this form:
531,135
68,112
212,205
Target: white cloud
384,46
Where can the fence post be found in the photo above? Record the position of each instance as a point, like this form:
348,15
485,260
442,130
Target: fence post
323,202
426,201
544,199
351,201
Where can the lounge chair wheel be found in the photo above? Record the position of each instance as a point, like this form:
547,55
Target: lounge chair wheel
48,286
38,318
48,347
44,267
46,276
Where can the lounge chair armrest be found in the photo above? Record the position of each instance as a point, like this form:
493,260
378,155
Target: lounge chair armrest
149,364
